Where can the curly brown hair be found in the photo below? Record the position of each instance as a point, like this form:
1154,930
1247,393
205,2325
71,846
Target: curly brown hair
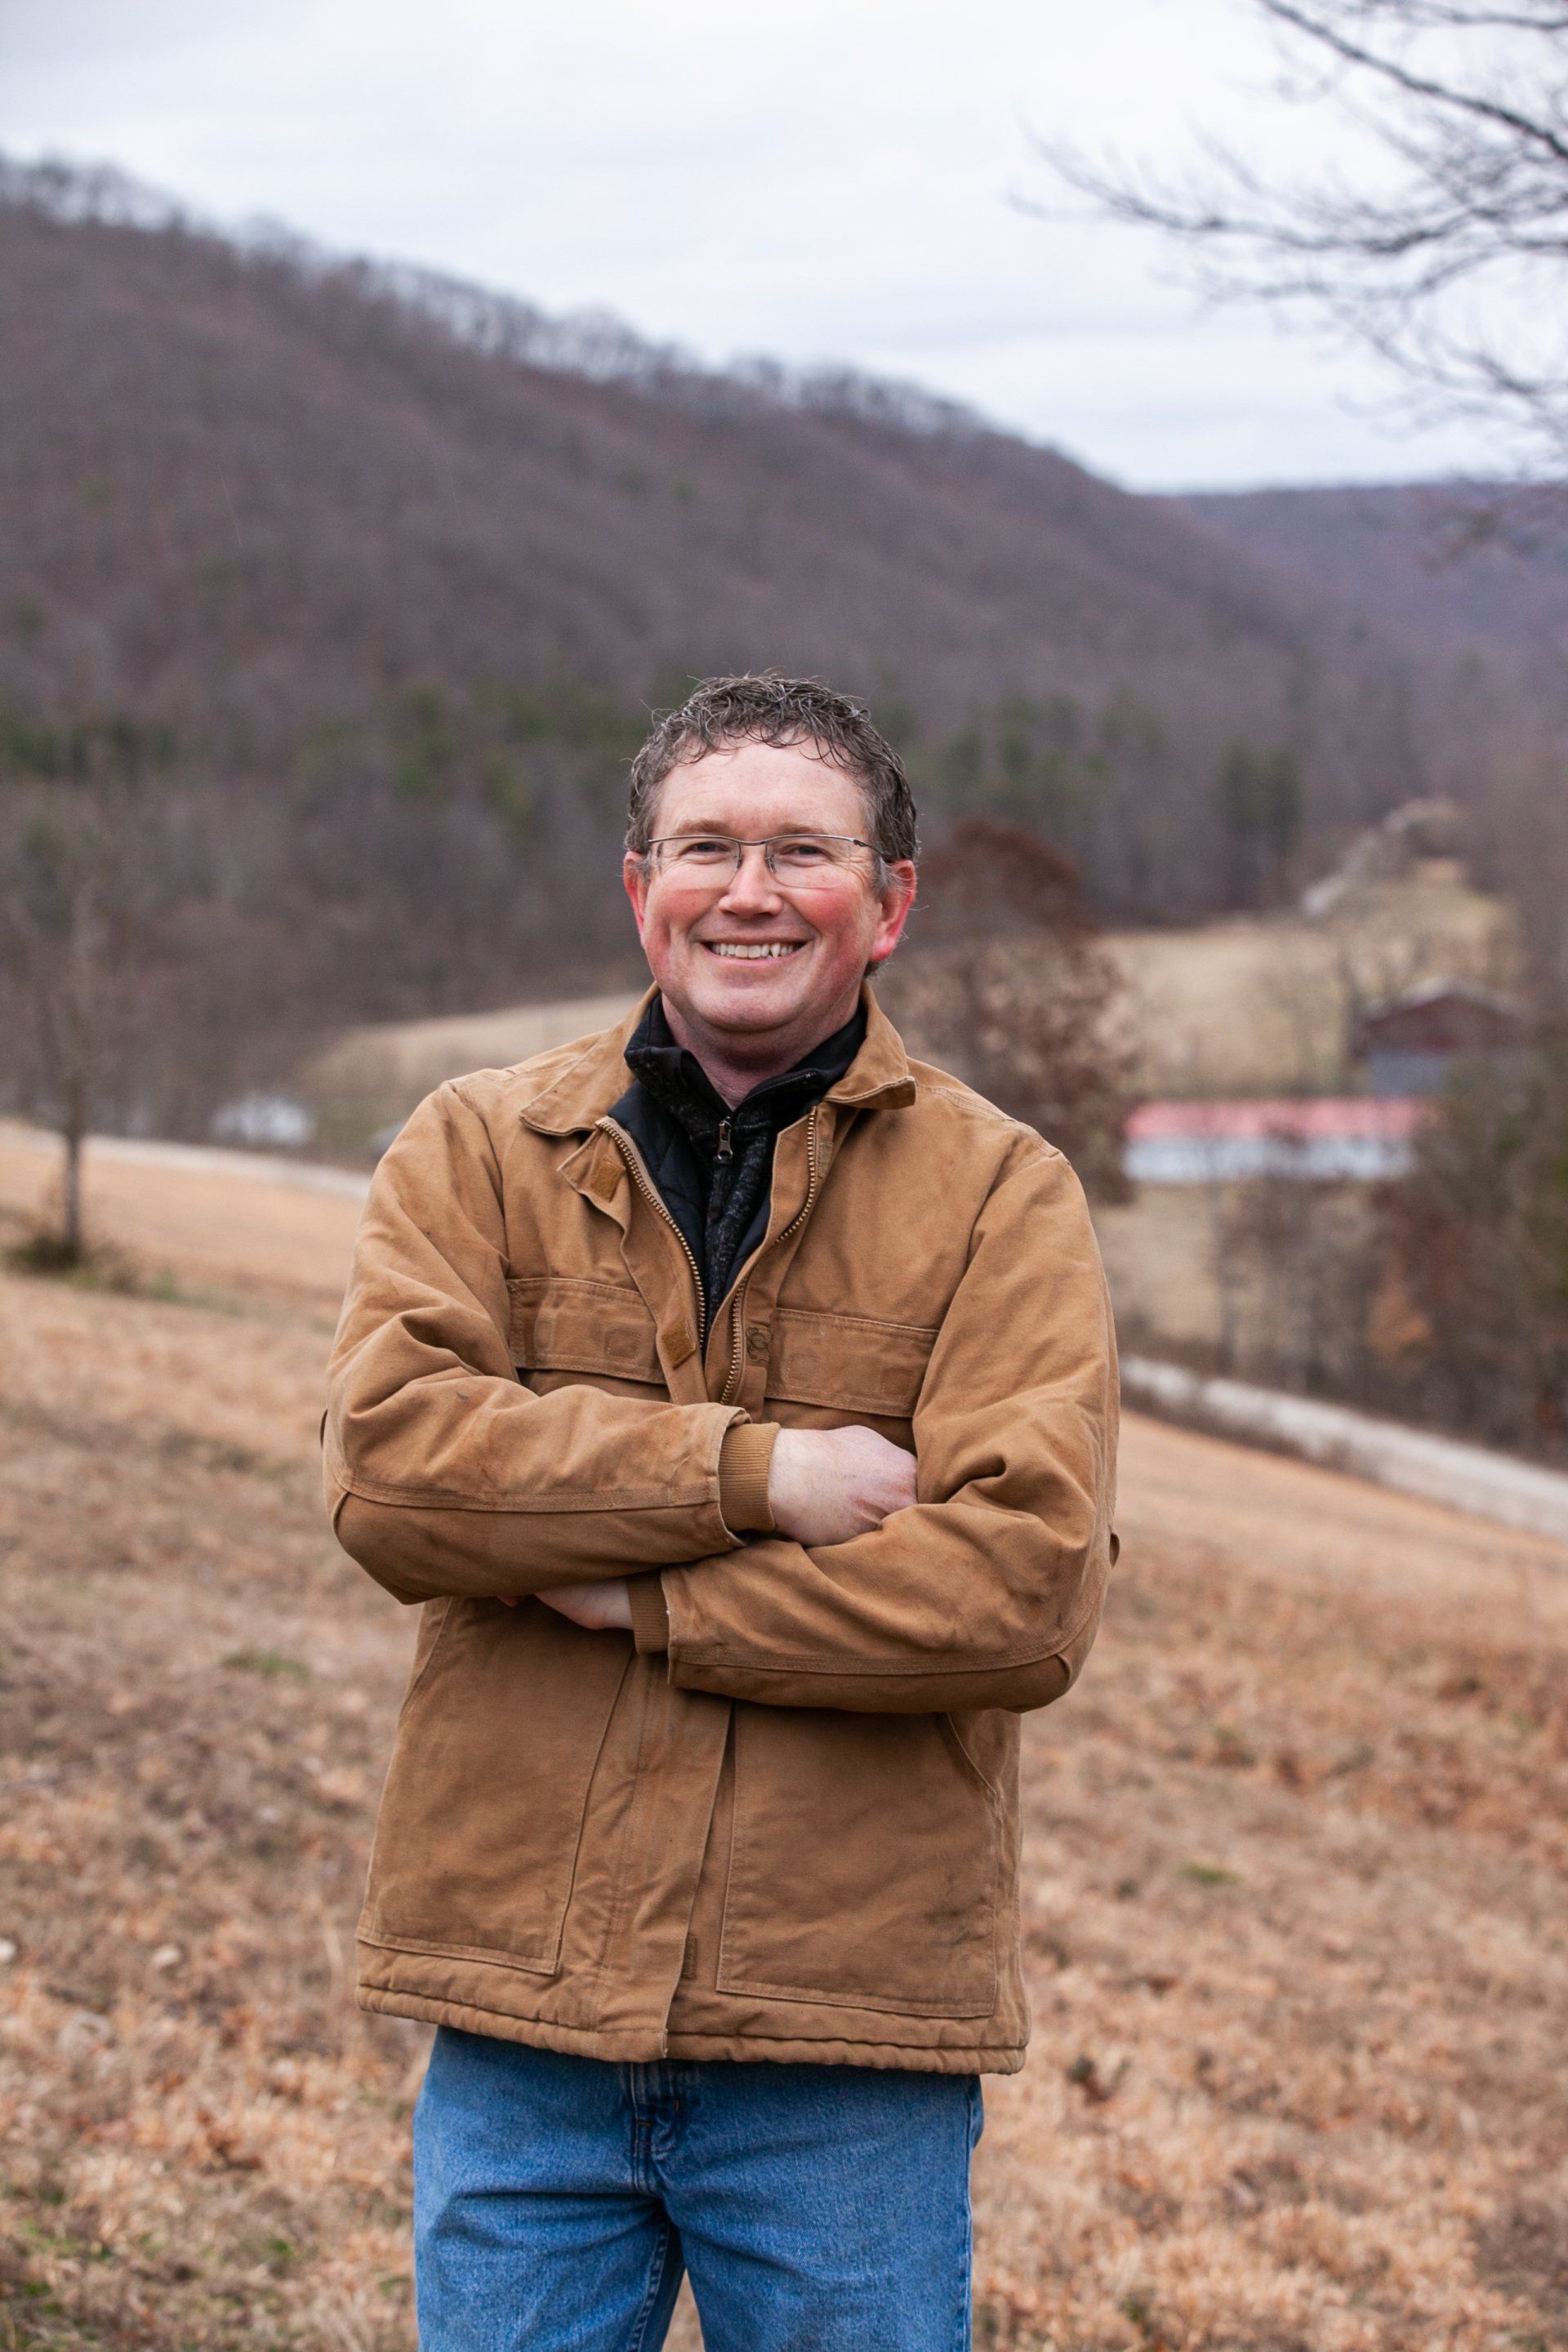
783,711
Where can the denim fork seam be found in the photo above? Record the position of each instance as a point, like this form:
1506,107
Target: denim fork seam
655,2271
639,2154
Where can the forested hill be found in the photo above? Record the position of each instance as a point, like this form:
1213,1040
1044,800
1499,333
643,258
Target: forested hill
411,563
1465,563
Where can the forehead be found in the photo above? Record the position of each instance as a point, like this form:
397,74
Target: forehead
752,789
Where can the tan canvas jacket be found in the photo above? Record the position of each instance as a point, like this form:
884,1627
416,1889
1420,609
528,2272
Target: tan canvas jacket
781,1821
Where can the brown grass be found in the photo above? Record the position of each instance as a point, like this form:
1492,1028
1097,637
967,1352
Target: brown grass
1293,1909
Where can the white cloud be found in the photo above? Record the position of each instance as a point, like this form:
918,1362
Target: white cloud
825,182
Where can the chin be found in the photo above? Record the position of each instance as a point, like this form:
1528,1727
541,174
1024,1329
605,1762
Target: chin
745,1008
757,995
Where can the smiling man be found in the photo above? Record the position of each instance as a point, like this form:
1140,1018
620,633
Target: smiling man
738,1397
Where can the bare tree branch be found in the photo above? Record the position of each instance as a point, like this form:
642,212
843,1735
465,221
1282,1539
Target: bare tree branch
1454,274
1319,24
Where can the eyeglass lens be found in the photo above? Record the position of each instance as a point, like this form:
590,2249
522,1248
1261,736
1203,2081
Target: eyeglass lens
793,856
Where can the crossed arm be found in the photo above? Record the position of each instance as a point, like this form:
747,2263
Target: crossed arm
825,1485
970,1579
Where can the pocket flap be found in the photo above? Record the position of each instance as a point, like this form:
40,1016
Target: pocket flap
558,1325
849,1361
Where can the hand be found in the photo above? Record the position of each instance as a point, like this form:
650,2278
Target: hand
601,1606
828,1485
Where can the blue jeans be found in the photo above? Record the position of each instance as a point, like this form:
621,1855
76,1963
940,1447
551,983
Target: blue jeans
818,2209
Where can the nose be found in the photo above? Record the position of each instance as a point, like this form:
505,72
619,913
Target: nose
753,889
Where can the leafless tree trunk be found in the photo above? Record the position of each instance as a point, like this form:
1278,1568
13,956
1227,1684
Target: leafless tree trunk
83,867
1227,1270
82,980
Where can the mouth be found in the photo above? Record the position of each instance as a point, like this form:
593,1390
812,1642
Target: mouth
754,950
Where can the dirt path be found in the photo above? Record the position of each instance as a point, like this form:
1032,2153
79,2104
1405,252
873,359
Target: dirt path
1293,1903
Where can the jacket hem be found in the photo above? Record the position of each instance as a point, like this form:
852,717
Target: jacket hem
633,2046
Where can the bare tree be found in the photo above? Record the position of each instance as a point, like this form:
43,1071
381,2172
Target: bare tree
1012,984
81,874
1295,1261
1451,262
1478,1237
139,984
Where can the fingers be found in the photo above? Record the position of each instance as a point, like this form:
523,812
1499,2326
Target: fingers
829,1485
598,1608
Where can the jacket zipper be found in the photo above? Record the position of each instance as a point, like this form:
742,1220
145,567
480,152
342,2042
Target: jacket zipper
650,1194
738,1300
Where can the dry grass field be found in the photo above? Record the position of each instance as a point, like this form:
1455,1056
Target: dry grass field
1294,1906
1257,1004
371,1075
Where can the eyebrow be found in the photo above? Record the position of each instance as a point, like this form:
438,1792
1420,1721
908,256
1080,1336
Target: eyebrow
711,824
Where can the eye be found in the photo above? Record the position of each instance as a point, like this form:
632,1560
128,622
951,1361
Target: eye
804,849
701,849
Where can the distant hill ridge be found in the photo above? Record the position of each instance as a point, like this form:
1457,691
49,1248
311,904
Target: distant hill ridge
1479,564
409,561
595,343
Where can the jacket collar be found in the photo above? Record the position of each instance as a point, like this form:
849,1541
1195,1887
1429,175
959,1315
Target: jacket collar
586,1090
878,1078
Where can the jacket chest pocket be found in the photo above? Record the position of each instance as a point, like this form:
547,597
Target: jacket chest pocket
560,1324
848,1363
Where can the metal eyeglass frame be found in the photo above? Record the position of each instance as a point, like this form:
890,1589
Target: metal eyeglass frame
764,842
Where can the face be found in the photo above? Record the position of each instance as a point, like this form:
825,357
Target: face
746,959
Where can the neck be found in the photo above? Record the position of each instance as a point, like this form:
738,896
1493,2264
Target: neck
735,1062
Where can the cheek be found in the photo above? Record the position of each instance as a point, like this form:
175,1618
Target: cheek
660,933
849,942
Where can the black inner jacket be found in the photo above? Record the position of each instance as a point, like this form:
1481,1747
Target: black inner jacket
714,1165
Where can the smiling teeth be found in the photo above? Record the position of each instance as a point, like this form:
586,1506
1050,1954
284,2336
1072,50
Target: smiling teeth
754,950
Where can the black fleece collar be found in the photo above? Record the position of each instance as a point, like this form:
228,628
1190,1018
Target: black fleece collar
652,1053
713,1164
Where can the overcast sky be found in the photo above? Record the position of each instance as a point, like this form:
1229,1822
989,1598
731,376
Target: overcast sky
834,181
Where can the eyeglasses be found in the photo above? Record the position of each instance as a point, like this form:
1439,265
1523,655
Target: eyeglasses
802,860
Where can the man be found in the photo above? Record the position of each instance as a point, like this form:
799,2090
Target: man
738,1396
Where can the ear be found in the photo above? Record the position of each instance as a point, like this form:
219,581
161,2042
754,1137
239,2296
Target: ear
634,881
893,910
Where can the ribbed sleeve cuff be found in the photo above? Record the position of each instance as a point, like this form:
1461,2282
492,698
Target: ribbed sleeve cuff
650,1617
745,1459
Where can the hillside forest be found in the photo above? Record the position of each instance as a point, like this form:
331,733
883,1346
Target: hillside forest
351,589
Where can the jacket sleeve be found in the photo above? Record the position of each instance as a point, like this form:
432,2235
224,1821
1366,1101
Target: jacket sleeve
987,1592
445,1474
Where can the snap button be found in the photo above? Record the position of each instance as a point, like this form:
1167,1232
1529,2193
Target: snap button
758,1340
